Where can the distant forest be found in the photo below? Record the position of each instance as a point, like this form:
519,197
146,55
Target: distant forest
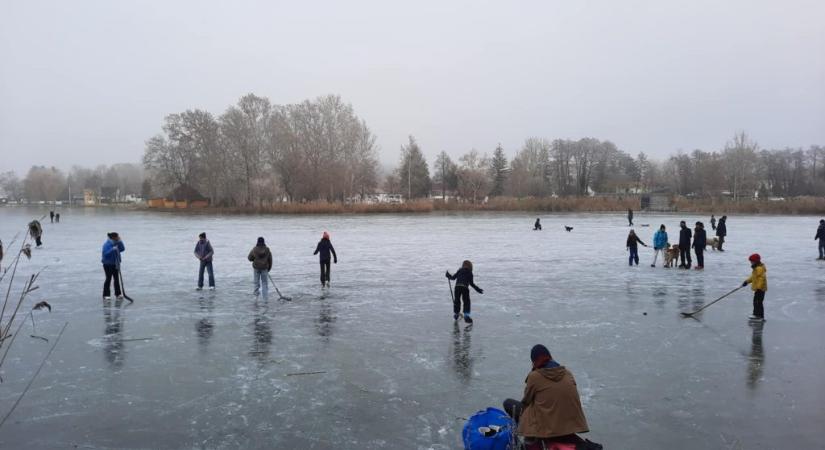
258,152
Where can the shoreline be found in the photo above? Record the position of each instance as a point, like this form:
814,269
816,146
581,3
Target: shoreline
596,205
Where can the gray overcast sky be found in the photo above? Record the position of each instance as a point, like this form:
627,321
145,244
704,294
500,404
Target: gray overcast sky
85,82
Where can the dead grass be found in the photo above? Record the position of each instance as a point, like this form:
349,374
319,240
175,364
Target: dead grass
801,205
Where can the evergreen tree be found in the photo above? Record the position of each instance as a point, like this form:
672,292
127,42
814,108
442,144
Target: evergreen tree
412,172
498,171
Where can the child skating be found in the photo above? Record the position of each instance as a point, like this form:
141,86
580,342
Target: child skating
464,281
759,285
633,242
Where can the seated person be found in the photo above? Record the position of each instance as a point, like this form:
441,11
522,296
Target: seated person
550,411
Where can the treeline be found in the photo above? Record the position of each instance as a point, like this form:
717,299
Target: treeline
50,184
258,152
741,169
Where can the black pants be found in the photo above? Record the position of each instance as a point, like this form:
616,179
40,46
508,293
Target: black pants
700,256
758,298
325,267
461,292
721,241
111,272
684,253
38,241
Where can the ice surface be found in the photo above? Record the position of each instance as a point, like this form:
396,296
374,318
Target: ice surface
187,369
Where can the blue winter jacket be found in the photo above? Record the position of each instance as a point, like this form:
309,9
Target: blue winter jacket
111,252
660,240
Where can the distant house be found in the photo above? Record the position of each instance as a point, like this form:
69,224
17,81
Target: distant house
89,197
183,197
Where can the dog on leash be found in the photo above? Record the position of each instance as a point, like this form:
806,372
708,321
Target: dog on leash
713,242
671,255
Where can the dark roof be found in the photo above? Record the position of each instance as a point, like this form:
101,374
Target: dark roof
185,192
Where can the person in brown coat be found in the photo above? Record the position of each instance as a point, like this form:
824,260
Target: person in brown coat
550,411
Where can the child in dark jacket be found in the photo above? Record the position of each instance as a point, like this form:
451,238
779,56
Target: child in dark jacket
325,247
464,281
633,242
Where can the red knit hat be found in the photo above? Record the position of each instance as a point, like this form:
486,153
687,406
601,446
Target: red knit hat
755,258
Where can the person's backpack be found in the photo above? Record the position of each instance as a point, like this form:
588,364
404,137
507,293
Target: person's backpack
491,429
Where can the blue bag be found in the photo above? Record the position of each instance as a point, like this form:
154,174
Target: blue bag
491,429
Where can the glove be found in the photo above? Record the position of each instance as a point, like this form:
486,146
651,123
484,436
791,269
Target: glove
335,261
447,274
744,283
480,291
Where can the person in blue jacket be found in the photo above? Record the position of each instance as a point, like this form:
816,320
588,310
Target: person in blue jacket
325,247
464,281
659,244
112,249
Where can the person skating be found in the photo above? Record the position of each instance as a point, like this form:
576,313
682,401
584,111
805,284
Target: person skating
204,253
537,225
261,259
820,234
759,285
325,247
51,216
110,258
550,410
633,242
57,217
684,245
36,232
629,217
721,231
713,222
464,281
660,244
700,240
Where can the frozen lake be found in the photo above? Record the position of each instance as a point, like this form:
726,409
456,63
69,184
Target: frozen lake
222,370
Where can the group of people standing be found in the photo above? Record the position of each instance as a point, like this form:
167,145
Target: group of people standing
260,256
696,240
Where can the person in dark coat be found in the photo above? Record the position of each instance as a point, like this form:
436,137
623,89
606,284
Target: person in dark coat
51,216
537,225
633,242
721,231
110,258
464,281
261,258
36,231
57,217
684,246
325,247
713,221
700,240
629,217
204,253
820,234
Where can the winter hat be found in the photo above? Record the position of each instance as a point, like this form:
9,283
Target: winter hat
755,258
112,235
822,221
326,235
261,241
202,235
539,351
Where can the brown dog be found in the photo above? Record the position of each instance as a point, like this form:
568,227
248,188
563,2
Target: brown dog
671,255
